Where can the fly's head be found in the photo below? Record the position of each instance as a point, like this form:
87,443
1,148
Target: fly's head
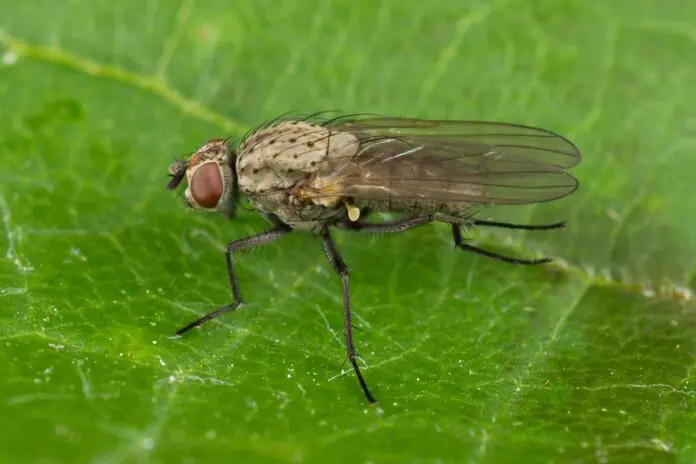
209,173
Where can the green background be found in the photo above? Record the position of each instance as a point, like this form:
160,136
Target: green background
590,359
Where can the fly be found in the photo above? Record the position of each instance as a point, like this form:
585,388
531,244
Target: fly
314,174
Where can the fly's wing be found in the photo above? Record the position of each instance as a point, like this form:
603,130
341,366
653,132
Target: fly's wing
449,161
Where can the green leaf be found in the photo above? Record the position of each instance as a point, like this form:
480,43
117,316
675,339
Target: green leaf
588,359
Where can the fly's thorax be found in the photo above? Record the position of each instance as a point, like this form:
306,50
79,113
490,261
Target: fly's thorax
298,215
211,179
286,153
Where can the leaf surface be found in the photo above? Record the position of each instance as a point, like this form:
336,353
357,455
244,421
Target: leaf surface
588,359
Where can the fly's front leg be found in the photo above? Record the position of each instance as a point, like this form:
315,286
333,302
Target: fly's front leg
334,257
278,231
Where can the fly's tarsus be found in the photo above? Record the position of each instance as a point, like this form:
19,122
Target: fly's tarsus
506,225
200,321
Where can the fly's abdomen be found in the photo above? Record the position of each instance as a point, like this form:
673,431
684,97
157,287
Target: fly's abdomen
415,207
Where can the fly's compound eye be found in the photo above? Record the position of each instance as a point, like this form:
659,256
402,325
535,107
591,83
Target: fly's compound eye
206,185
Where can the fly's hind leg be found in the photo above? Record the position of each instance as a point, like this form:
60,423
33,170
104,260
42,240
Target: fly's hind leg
456,224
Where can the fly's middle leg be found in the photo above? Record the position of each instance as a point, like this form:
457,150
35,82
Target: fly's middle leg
336,260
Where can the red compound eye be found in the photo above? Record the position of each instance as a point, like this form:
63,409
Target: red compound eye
206,185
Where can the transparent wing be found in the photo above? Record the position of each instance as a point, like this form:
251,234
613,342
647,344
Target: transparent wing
448,161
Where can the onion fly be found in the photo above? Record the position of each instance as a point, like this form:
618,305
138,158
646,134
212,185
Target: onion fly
314,173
